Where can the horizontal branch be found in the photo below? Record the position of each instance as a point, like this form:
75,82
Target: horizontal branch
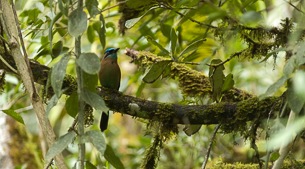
237,112
233,112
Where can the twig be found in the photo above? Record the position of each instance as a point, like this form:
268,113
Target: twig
227,60
210,147
118,4
168,6
8,65
49,164
295,7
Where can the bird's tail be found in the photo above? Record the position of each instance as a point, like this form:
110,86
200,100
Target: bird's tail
104,121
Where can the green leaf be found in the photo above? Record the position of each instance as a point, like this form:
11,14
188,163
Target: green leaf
187,16
92,6
63,7
100,28
102,32
89,62
113,159
77,23
90,34
275,86
191,47
173,43
14,115
94,100
274,156
295,102
216,77
51,103
289,66
131,22
90,165
72,104
152,41
58,73
298,82
140,89
155,71
146,31
90,81
228,83
54,20
96,138
57,48
60,144
166,30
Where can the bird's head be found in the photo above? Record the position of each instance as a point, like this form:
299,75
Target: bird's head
111,53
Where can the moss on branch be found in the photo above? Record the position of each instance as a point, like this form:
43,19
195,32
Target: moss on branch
191,82
233,114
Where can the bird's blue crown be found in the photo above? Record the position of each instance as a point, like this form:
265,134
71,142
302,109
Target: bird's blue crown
111,52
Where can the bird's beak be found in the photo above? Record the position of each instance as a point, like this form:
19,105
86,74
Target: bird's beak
117,49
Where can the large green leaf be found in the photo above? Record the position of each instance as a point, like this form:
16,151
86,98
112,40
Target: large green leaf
92,6
50,36
228,83
155,71
57,48
102,32
63,7
295,102
275,86
14,115
89,62
112,158
152,41
216,77
90,34
51,103
94,100
298,82
60,144
131,22
97,139
58,73
90,81
191,47
77,23
173,44
72,104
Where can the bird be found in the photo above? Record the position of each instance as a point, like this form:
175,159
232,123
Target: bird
109,77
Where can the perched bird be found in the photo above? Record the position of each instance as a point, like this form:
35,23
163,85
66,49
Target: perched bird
110,77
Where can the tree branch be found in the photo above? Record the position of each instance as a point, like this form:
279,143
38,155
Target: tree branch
235,114
239,112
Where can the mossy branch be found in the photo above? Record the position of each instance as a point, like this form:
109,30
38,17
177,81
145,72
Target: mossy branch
232,114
